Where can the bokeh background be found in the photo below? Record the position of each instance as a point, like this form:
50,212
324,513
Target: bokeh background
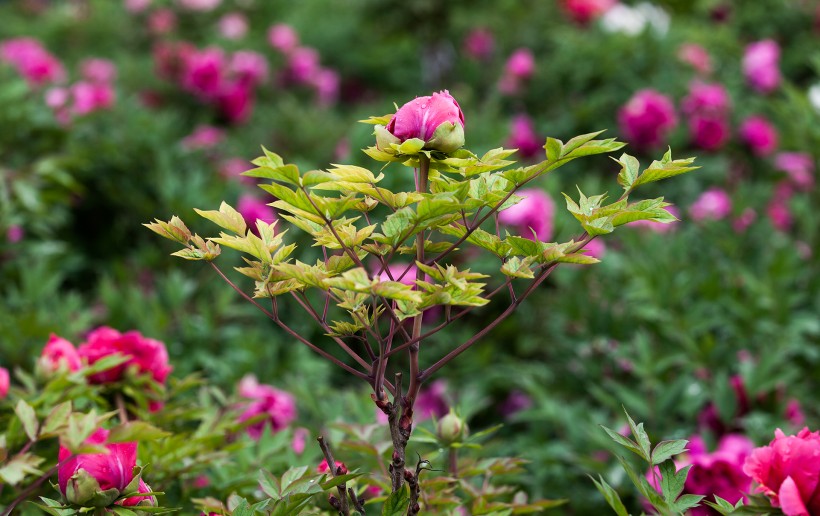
113,113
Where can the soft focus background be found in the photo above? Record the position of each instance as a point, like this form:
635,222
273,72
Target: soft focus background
116,112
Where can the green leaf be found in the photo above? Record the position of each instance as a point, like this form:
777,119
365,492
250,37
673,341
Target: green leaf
665,168
518,268
15,470
611,496
689,501
554,149
599,226
270,484
626,442
672,481
28,418
640,436
227,218
57,418
331,482
411,146
667,449
135,431
396,504
630,168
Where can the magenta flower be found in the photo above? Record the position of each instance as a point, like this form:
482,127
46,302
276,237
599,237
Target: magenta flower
278,406
788,472
203,137
533,214
713,204
779,213
112,470
324,467
252,209
249,67
283,38
203,72
647,118
98,70
58,354
297,444
303,64
437,120
706,98
235,101
233,26
799,166
479,44
584,11
5,383
145,355
431,401
695,56
520,65
31,60
15,233
761,65
89,97
524,138
709,132
326,82
596,248
759,135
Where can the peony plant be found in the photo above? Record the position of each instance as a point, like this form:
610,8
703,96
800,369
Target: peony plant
375,314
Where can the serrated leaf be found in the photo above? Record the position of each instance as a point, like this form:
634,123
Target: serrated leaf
672,481
688,501
626,442
227,218
630,168
611,496
640,436
28,418
57,418
665,168
667,449
270,484
518,268
396,504
135,431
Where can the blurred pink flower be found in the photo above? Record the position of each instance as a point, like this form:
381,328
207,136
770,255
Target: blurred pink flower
57,354
249,67
252,209
479,44
203,72
89,97
303,64
31,60
596,248
15,233
98,70
278,406
203,137
162,21
199,5
233,25
146,355
524,138
520,64
232,168
713,204
326,83
658,227
515,402
170,59
4,383
788,472
283,38
533,214
794,413
761,65
584,11
235,101
759,135
136,6
779,213
695,56
799,166
431,401
709,132
706,98
742,222
297,444
647,118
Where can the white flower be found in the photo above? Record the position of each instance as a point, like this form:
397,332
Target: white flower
634,20
814,96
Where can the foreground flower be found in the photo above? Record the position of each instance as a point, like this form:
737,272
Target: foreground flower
97,479
59,354
278,406
533,214
4,382
437,120
147,356
761,65
647,118
788,472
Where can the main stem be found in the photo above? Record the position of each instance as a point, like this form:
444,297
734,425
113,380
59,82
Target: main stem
413,349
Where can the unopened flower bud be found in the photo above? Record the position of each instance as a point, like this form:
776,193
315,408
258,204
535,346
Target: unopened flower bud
436,120
451,428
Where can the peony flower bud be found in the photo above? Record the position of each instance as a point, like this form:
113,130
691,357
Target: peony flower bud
437,120
323,467
451,428
4,382
59,354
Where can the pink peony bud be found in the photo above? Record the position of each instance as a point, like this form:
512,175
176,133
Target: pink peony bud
141,501
479,44
713,204
799,166
437,120
524,138
323,467
112,470
584,11
695,56
761,65
98,70
4,383
233,26
283,38
647,118
533,214
787,472
278,406
146,355
58,354
759,135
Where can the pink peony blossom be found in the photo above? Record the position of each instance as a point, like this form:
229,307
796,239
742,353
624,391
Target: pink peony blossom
283,38
303,65
647,118
533,214
278,406
431,401
203,137
136,6
324,467
145,355
713,204
5,383
162,21
788,472
249,67
232,168
57,354
524,138
89,97
761,65
436,119
706,98
584,11
799,166
98,70
112,470
479,44
596,248
326,83
252,209
199,5
15,233
233,26
297,444
695,56
520,65
235,101
709,132
759,135
31,60
203,72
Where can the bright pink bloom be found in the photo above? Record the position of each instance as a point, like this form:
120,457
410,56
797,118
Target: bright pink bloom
5,382
695,56
709,132
252,209
713,204
647,118
799,166
420,117
162,21
249,67
233,26
203,72
584,11
479,44
278,406
520,65
533,214
283,38
759,134
326,83
89,97
235,102
431,401
136,6
524,138
199,5
706,98
15,233
303,64
145,355
761,65
112,470
98,70
31,60
203,137
59,353
788,472
323,467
